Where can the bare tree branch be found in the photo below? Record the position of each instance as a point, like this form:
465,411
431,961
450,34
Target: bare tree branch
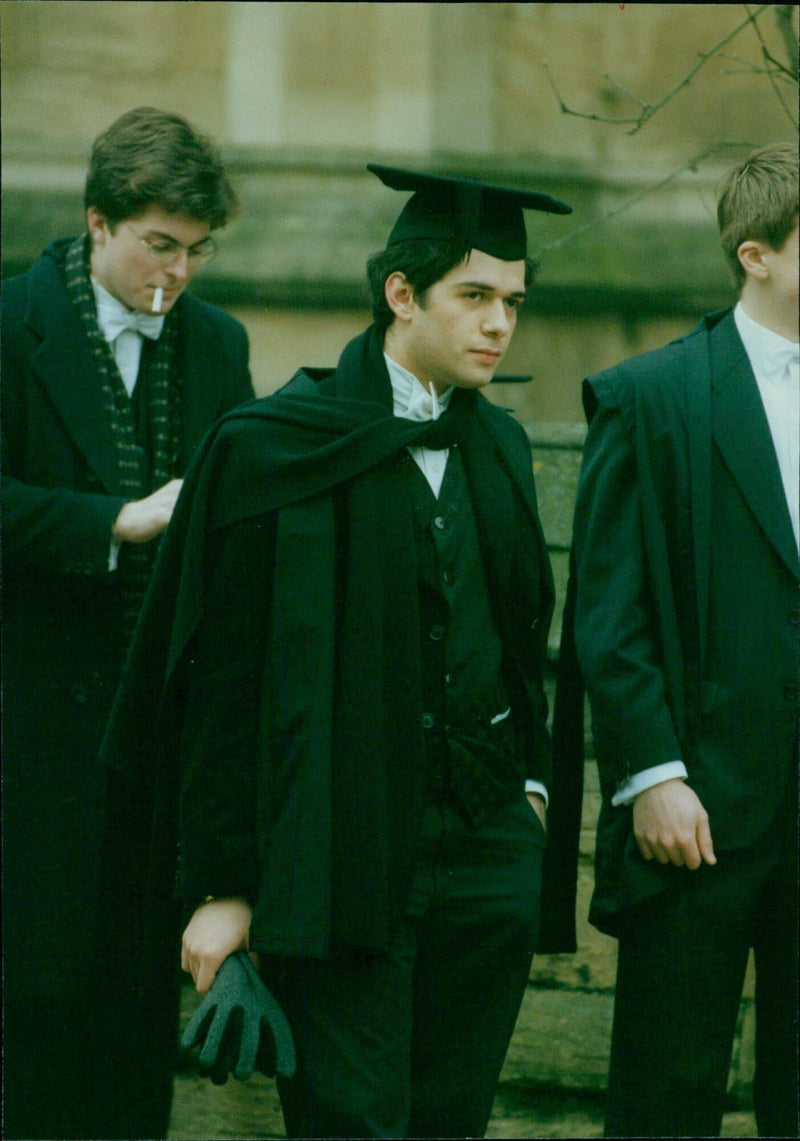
747,67
648,110
771,76
691,165
784,19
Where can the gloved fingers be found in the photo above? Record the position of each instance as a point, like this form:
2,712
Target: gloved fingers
275,1026
276,1048
248,1046
219,1065
197,1027
276,1051
216,1037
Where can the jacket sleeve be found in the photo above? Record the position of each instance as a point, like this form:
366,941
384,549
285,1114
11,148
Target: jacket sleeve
616,611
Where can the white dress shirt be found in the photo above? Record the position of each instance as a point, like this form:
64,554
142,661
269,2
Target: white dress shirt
776,365
412,401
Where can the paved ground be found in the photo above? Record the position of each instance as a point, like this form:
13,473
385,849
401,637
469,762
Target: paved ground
251,1110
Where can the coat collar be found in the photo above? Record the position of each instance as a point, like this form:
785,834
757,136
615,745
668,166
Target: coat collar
742,434
65,367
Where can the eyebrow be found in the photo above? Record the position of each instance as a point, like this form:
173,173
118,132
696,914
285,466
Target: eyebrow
170,238
485,288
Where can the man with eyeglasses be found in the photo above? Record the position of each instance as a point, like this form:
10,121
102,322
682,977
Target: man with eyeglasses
111,375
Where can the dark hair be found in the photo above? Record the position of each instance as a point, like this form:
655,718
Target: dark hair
154,158
424,262
757,201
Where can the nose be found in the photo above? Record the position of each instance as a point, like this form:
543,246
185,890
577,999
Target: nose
497,319
180,267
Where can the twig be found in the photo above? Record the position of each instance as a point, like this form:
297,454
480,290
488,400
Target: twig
650,109
784,18
771,77
691,165
749,68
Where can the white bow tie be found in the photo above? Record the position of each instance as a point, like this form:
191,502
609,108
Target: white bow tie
117,321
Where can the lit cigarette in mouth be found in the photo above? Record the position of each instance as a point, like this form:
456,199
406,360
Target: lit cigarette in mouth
158,297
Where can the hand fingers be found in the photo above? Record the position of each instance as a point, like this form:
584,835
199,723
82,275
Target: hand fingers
705,843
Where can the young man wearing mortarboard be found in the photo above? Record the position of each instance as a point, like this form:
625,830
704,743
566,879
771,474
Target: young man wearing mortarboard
353,685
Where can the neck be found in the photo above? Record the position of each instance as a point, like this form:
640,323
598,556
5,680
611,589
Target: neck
393,347
761,307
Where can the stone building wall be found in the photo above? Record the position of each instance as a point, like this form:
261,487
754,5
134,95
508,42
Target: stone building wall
302,95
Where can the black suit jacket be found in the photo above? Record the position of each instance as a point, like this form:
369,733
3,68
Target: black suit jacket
686,613
62,639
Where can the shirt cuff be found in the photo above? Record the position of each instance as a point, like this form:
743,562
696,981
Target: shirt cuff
629,789
539,789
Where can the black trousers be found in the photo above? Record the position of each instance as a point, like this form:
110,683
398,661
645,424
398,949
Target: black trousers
410,1043
682,961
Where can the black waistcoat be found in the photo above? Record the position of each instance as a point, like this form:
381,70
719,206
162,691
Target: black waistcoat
467,721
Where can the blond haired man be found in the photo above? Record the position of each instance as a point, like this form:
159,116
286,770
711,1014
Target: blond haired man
686,625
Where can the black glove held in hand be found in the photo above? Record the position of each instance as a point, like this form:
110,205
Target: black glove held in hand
239,1026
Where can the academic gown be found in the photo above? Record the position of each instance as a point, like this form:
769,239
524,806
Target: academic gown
299,492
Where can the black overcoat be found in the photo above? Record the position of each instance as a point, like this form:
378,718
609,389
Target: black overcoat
62,631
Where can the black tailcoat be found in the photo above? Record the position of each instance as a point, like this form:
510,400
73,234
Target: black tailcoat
698,660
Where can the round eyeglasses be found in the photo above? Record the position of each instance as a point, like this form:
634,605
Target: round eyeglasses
164,250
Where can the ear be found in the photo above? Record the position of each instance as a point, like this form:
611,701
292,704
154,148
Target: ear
399,295
97,226
751,258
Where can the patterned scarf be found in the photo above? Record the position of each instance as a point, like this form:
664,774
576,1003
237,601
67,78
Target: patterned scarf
164,407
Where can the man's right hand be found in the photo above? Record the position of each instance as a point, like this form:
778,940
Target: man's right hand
217,929
143,519
671,826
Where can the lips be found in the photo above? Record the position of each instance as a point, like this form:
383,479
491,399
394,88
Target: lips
489,356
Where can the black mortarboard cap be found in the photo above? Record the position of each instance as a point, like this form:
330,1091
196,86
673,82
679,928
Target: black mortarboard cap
469,213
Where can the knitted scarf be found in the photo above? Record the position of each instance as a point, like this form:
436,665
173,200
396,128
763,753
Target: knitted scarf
164,391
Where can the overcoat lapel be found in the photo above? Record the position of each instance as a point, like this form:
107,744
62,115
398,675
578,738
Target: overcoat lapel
202,344
742,434
66,370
